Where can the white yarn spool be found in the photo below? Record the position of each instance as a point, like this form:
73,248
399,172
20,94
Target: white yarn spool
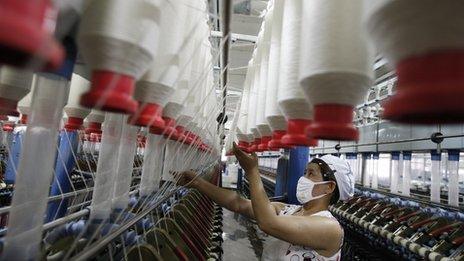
192,82
95,120
175,104
252,105
24,105
261,121
291,99
118,48
159,83
75,112
273,114
14,85
428,53
243,138
336,65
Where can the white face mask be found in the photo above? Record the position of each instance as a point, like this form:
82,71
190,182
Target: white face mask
304,190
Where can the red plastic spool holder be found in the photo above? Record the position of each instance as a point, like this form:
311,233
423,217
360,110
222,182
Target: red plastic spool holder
23,35
333,122
8,107
112,92
149,114
430,89
264,143
8,127
243,145
170,129
254,146
73,124
276,142
296,135
93,127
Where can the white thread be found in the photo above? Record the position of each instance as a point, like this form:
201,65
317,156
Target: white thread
261,123
290,96
336,61
14,83
397,36
124,43
273,114
79,85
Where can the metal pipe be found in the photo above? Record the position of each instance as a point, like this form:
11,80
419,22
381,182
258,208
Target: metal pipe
391,142
226,21
62,196
416,199
61,221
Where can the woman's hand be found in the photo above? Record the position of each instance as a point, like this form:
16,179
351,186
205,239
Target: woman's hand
186,178
248,162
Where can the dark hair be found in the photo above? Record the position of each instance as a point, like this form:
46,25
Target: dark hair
328,175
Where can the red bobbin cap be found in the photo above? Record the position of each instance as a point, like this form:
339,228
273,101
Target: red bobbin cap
295,135
430,89
169,129
111,92
23,119
93,127
149,114
264,143
256,143
73,124
8,107
333,122
243,145
8,126
276,142
23,35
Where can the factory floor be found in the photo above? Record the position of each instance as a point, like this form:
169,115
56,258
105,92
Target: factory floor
242,239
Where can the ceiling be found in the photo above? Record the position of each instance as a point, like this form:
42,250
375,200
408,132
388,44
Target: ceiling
245,25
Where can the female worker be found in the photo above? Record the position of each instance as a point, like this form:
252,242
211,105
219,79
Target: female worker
306,232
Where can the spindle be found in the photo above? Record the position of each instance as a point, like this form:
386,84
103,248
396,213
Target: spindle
336,66
294,106
118,48
428,55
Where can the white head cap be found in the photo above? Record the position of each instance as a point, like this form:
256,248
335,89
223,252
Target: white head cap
343,175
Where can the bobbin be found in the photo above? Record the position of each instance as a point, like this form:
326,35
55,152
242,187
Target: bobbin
24,33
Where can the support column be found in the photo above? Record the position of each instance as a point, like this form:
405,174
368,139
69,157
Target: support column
297,163
281,177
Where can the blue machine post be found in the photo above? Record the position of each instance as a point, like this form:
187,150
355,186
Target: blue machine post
297,163
239,179
13,156
281,177
65,162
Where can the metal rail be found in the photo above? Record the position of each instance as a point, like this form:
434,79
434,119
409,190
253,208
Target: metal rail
76,193
438,136
93,250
